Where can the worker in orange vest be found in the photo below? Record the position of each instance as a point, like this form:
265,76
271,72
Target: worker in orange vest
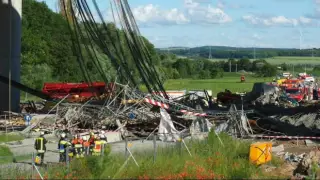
86,145
77,144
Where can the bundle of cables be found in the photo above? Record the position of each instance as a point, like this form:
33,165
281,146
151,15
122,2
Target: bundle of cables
87,34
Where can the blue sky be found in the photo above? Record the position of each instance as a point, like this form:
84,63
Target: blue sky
242,23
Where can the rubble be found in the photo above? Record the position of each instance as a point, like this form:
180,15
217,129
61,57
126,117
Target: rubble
304,166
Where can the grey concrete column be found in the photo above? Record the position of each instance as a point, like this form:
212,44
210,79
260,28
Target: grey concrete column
10,50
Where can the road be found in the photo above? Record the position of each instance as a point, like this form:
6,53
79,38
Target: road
26,148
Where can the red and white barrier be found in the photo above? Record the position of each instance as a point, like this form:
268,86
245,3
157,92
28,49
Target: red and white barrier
193,113
166,106
284,137
156,103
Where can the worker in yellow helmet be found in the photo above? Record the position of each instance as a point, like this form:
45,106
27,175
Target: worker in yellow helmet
99,145
40,146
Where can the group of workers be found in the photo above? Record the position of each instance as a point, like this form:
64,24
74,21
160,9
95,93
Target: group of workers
78,147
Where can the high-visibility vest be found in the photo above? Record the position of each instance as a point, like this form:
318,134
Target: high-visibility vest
86,144
40,145
78,145
97,146
77,142
62,146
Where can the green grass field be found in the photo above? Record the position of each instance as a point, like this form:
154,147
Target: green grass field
230,81
294,60
288,60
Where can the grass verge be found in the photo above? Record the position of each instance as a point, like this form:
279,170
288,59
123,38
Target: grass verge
210,160
10,137
5,154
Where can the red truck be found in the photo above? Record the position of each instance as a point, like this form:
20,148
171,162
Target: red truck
296,93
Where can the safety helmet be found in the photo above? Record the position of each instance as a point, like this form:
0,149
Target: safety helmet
84,138
101,136
63,135
91,134
41,133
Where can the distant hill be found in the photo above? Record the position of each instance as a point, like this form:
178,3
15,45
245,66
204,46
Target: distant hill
225,52
173,48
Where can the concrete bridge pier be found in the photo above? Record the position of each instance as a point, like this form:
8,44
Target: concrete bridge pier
10,50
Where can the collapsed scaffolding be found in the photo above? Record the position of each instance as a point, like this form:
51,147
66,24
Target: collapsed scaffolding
135,115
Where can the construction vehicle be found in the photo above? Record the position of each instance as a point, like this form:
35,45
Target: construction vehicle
242,78
295,93
77,91
227,97
290,83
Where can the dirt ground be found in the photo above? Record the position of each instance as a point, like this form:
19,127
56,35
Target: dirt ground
285,169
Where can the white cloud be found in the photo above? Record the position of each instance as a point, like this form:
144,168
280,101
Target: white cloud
277,20
195,12
153,14
205,14
221,4
305,20
256,36
191,4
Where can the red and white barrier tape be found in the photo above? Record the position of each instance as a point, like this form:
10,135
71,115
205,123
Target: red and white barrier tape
156,103
284,137
193,113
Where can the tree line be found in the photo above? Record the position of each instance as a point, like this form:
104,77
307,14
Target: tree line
237,53
176,68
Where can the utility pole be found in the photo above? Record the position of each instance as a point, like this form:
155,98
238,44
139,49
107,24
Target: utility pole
229,65
292,69
210,57
236,67
300,38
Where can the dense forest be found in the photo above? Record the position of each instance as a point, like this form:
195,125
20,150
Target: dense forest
47,54
237,53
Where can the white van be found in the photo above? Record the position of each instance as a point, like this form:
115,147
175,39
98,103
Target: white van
309,79
286,74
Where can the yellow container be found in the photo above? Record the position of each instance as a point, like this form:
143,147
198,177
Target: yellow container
260,152
37,160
